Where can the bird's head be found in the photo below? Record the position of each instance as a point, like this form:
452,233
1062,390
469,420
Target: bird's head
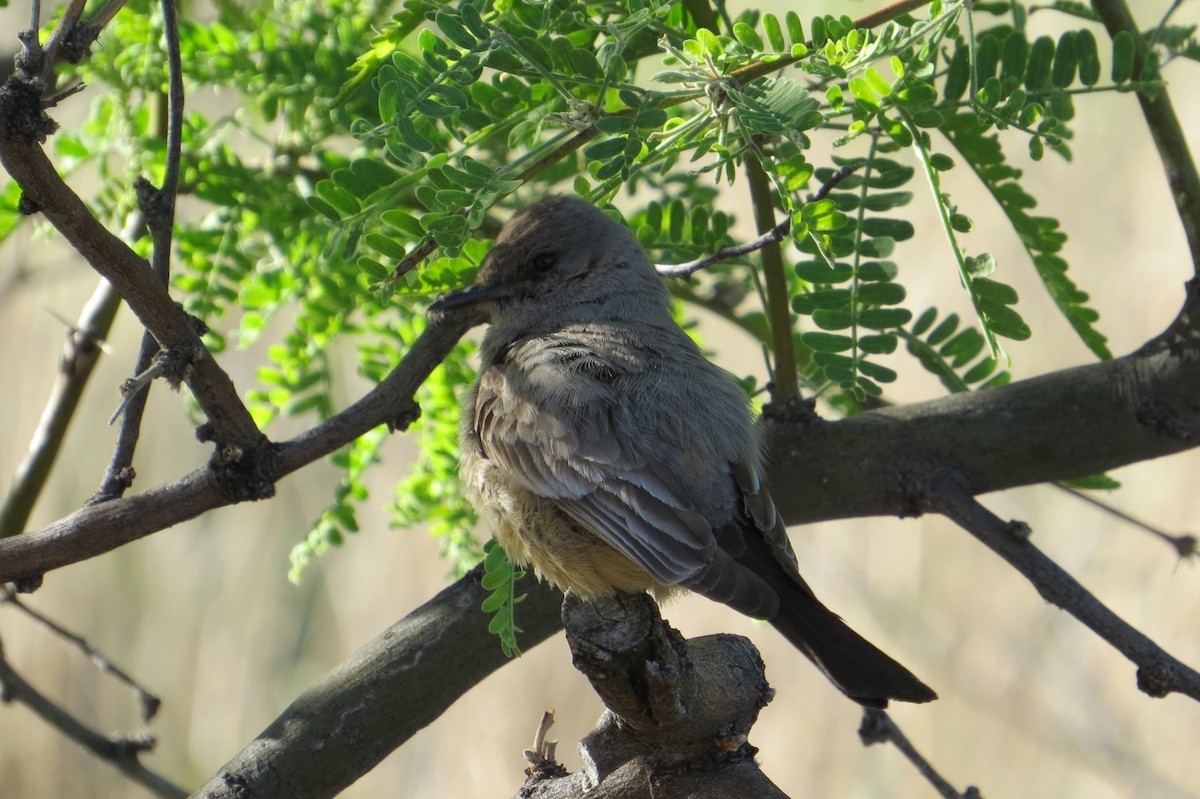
561,256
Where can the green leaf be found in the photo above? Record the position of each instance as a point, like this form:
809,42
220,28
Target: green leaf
881,293
1122,57
750,38
1016,50
1041,58
1063,72
795,28
385,246
1095,482
1088,57
827,342
603,150
944,330
774,34
884,318
878,343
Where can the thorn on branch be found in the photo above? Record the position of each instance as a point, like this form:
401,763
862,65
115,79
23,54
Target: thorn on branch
1184,544
50,102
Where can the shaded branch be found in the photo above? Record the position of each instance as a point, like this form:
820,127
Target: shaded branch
679,712
121,751
1158,673
785,386
1031,431
397,684
80,354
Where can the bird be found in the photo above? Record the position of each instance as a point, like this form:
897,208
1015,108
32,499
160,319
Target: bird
611,456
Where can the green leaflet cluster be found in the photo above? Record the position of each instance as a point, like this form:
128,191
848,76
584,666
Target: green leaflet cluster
851,292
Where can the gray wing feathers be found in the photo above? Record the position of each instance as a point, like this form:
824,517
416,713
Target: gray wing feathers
574,451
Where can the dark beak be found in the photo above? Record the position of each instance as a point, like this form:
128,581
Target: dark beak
463,298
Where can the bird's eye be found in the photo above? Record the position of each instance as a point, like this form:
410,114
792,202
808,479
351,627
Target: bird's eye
544,261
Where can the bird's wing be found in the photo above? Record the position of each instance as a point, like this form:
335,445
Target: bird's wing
569,446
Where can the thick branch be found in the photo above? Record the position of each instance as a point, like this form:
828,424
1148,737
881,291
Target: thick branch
338,729
1067,424
678,712
1059,426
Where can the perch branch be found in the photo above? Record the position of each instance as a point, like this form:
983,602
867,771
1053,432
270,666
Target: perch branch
396,685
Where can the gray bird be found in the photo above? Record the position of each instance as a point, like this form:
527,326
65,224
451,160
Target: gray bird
607,452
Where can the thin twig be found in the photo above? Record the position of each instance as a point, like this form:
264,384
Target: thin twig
1158,673
103,526
775,234
1184,545
80,353
686,270
158,207
121,751
749,72
59,37
148,701
105,13
170,187
877,727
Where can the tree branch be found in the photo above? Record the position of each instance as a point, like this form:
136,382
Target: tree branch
878,727
679,712
102,527
1182,178
46,192
122,752
785,385
400,682
1158,673
148,702
1063,425
79,356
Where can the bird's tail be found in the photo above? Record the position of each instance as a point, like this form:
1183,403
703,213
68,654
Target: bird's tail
852,663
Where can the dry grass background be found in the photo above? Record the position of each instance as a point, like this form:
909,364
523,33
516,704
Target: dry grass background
1032,704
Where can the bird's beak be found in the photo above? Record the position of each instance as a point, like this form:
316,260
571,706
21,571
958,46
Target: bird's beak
471,295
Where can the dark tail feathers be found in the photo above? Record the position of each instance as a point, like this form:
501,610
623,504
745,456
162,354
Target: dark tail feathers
851,662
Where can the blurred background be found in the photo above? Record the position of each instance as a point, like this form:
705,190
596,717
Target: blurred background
1032,704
